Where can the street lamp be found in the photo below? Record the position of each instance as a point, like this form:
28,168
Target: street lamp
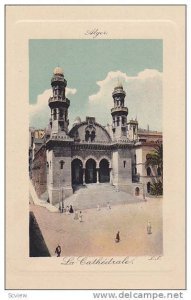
62,201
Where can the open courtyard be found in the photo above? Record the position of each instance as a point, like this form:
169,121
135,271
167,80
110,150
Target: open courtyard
95,235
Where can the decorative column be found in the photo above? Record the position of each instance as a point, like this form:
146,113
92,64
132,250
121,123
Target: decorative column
110,176
120,120
97,173
83,175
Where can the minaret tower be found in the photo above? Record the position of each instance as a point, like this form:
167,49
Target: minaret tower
119,114
59,104
58,145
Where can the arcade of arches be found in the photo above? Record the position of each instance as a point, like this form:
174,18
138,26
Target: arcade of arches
90,174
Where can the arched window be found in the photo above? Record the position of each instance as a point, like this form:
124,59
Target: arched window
135,158
124,163
92,136
61,113
90,133
137,191
117,121
148,187
159,171
47,167
148,171
61,164
87,135
54,113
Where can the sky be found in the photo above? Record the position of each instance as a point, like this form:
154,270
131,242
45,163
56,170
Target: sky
92,69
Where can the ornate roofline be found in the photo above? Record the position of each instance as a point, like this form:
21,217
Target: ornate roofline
86,123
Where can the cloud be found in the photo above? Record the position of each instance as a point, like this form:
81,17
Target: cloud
143,97
39,113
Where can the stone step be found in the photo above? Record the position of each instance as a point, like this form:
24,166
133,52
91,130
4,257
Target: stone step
94,187
93,196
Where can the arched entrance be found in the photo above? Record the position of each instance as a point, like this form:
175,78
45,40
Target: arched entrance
104,171
77,171
90,174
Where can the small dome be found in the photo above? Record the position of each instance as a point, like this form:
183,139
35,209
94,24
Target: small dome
77,121
58,71
119,86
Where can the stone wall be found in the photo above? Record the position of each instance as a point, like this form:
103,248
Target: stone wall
59,174
39,171
122,167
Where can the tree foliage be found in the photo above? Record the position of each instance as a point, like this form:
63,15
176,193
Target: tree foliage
155,158
157,188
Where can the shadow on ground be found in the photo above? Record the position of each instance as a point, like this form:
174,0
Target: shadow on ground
37,245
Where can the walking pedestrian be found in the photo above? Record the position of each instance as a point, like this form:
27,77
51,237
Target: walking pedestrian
80,216
71,211
117,239
75,215
108,205
98,207
149,228
67,210
58,251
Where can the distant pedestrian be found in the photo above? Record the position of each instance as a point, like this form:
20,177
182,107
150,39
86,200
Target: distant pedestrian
149,228
108,205
58,251
71,211
117,239
80,216
98,207
75,215
67,210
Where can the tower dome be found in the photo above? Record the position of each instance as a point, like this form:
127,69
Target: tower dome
118,86
118,90
58,71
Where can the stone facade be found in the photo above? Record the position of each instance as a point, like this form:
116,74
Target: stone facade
90,152
39,172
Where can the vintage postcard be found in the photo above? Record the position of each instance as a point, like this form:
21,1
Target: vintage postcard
95,104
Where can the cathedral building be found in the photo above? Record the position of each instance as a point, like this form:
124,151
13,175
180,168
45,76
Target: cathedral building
90,153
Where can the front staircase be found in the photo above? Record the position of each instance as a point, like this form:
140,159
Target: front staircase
92,195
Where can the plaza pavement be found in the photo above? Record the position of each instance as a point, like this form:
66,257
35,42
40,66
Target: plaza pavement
95,236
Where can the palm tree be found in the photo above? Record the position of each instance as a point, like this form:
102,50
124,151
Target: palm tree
155,158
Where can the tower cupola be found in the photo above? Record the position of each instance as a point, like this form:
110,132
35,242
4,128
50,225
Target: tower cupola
119,113
58,103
